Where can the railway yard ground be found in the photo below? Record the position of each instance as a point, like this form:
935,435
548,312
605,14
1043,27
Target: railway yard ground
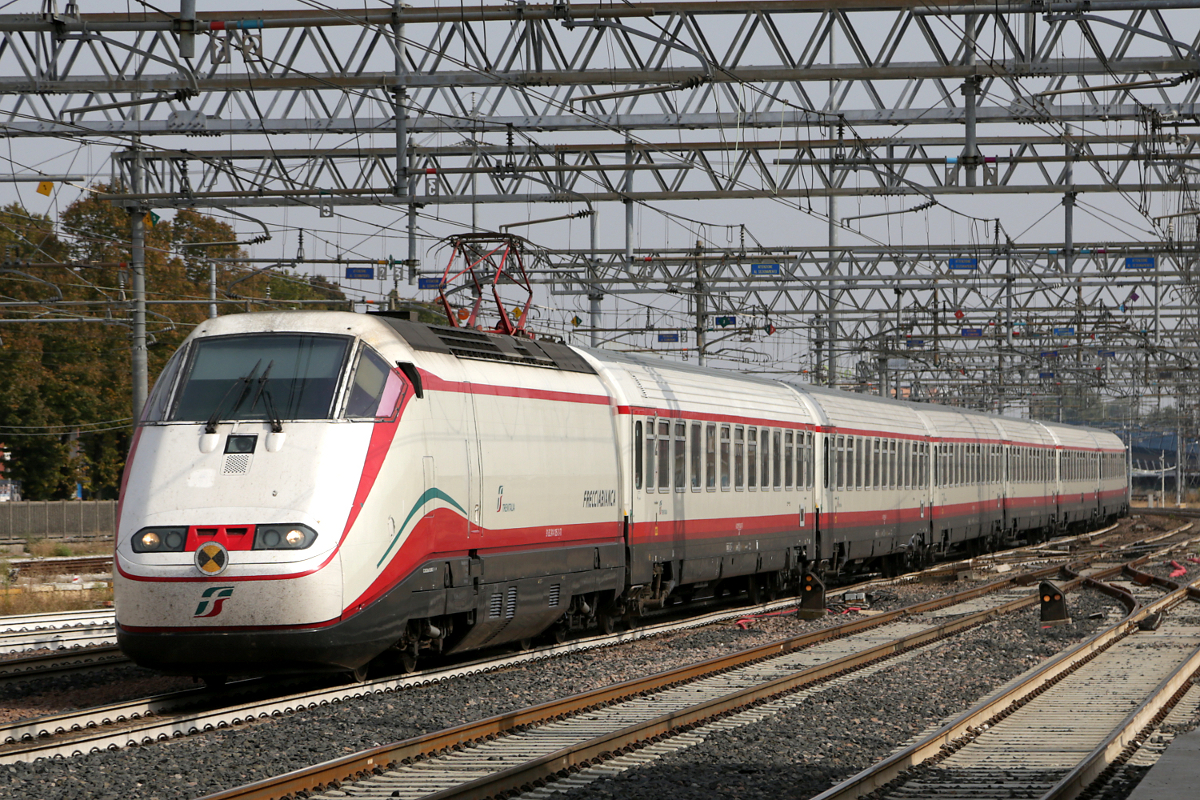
833,708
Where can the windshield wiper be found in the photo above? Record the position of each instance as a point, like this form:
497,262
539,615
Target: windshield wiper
211,425
268,403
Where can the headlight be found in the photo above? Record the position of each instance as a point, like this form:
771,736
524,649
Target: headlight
283,537
160,540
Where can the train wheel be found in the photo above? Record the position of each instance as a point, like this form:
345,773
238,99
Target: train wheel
606,622
772,590
525,644
359,674
408,662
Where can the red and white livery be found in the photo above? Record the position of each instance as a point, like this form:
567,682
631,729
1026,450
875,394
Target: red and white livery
313,490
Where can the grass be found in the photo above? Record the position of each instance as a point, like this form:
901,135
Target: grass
41,548
15,601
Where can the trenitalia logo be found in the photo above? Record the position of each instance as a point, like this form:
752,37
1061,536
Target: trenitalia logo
216,596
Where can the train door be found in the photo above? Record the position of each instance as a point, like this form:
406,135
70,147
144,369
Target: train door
474,469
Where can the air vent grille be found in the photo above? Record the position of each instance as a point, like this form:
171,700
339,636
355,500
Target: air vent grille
495,606
236,464
474,344
554,593
510,605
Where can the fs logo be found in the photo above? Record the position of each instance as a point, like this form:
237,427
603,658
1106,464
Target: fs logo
216,596
502,506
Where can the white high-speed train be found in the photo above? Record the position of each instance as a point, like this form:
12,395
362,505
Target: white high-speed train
312,490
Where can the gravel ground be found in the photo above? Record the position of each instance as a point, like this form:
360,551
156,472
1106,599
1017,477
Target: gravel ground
836,733
199,765
40,696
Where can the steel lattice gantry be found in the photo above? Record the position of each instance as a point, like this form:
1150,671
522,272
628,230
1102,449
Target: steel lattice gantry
905,103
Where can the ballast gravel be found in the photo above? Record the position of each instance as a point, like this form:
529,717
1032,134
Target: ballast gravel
37,697
836,733
222,759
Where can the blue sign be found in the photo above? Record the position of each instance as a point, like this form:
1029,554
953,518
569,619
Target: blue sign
915,343
972,333
765,269
964,263
1067,331
1050,354
1139,262
360,273
668,337
1106,353
429,283
726,321
1045,375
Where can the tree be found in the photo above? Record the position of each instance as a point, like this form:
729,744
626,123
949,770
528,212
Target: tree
66,386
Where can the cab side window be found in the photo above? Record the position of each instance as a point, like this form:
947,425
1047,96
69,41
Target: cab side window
377,389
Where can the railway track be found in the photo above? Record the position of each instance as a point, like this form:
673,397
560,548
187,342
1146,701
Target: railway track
39,667
168,716
53,620
58,638
67,565
78,640
519,750
150,719
1058,730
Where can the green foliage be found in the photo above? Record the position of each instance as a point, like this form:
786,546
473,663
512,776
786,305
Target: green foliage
65,387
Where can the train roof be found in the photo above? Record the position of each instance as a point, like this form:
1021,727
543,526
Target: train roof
674,384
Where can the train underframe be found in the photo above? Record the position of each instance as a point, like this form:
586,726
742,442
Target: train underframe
450,605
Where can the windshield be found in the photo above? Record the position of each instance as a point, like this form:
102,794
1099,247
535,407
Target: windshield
261,376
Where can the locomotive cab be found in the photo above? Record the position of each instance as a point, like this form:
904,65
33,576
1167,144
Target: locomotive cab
240,490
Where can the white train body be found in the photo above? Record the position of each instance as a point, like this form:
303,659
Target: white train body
388,485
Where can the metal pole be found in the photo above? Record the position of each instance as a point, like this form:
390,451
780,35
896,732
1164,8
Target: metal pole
401,95
1178,451
413,264
594,294
1069,211
628,208
137,224
701,305
1157,302
1162,477
187,36
970,89
831,313
212,289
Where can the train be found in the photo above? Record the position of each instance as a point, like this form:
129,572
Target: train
323,491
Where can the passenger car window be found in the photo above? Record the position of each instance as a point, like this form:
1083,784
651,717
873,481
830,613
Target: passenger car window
724,457
664,455
680,455
710,457
637,455
738,456
787,459
776,446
